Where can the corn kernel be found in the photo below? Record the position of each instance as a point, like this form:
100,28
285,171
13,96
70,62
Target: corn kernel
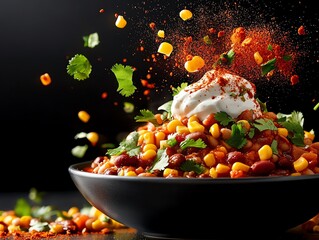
209,159
214,130
171,126
149,138
161,33
120,21
93,137
213,173
309,135
159,136
265,152
237,166
258,59
149,146
245,125
72,211
165,48
195,64
130,174
83,116
182,129
222,168
185,14
195,126
283,132
193,118
300,164
149,154
170,172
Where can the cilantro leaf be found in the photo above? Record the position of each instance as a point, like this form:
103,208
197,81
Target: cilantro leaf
167,107
161,160
223,118
268,66
191,165
179,88
274,145
79,67
91,40
124,75
128,145
237,138
199,143
147,116
264,124
294,124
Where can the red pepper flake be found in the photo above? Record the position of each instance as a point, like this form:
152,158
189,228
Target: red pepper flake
144,82
221,33
301,30
152,25
45,79
104,95
101,10
294,79
146,92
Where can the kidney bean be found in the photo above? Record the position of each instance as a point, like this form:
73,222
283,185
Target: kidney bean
262,168
176,160
235,156
197,135
125,160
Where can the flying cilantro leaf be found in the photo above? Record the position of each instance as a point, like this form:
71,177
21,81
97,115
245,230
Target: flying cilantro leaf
161,160
124,75
199,143
147,116
223,118
191,165
179,88
91,40
128,145
237,138
79,67
264,124
268,66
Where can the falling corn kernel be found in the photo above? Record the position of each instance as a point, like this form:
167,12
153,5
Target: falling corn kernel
84,116
45,79
93,137
194,64
161,33
165,48
120,22
185,14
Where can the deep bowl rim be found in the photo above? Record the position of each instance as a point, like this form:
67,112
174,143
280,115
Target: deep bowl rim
76,169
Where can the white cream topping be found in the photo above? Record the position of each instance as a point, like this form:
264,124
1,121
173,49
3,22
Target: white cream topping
217,91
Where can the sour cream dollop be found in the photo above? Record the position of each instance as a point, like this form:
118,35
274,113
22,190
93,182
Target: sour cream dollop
217,91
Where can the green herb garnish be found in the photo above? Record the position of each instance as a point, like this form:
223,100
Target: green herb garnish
124,75
79,67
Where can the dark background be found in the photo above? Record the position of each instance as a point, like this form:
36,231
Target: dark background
39,123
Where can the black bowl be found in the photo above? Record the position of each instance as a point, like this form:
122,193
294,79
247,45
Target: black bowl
201,208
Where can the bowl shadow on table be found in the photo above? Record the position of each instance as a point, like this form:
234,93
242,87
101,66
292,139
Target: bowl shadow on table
258,208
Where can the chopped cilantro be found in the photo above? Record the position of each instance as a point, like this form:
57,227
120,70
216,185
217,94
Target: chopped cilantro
225,58
207,40
237,138
199,143
128,145
91,40
179,88
191,165
294,124
287,57
161,160
263,105
268,66
124,75
147,116
79,67
171,142
274,145
263,124
223,118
